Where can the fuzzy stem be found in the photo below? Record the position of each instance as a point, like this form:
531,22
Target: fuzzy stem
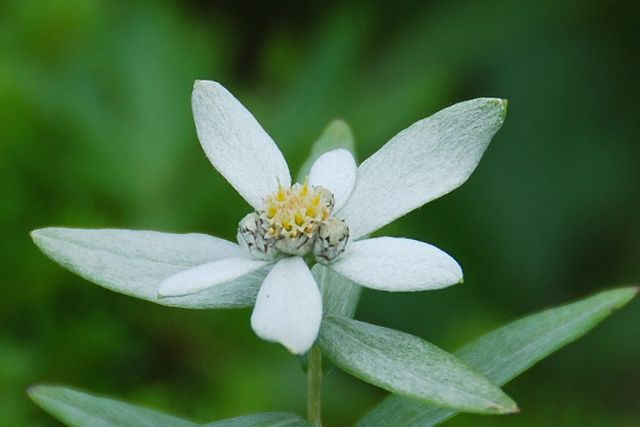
314,386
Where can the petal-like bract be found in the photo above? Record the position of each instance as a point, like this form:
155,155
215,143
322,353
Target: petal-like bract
136,262
236,144
205,276
335,171
423,162
397,264
288,308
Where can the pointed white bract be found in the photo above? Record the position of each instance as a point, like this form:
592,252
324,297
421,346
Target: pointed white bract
423,162
396,264
236,144
135,262
288,308
205,276
335,171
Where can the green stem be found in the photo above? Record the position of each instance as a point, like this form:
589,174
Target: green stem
314,386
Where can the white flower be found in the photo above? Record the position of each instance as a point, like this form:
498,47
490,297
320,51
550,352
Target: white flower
326,219
338,199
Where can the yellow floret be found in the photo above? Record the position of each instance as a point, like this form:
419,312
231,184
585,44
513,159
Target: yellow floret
295,210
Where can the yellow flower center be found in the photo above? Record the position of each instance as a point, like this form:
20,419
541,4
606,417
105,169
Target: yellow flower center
295,221
300,209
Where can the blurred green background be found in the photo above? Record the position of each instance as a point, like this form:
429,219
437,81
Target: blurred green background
96,131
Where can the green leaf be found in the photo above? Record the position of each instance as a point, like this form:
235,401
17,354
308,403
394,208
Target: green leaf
409,366
75,408
508,351
340,295
273,419
336,135
136,262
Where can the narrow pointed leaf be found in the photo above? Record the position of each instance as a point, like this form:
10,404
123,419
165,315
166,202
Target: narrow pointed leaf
507,352
135,263
78,409
336,135
272,419
409,366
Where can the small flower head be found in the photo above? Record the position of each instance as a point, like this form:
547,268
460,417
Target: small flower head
252,236
331,241
295,221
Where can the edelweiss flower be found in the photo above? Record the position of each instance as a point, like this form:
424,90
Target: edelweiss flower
325,216
324,219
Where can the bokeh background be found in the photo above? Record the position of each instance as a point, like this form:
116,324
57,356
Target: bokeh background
96,131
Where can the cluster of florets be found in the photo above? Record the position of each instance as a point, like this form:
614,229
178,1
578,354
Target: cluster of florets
295,221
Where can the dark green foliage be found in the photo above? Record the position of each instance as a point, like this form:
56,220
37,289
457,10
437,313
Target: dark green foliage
96,131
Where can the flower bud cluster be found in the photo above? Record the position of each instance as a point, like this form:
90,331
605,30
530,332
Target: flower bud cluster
295,221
